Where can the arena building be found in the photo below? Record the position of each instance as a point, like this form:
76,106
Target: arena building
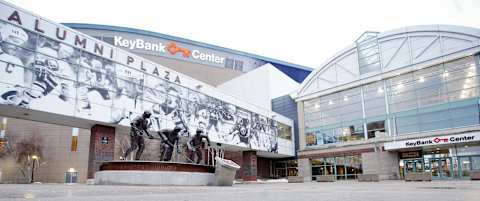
401,101
67,99
195,59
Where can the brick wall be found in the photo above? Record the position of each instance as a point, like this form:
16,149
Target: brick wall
236,157
57,157
263,167
102,147
250,166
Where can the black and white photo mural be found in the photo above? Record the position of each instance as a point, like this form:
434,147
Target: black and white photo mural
48,67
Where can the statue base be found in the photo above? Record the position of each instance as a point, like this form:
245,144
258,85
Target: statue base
154,173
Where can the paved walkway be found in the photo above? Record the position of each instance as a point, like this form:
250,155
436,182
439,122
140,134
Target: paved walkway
313,191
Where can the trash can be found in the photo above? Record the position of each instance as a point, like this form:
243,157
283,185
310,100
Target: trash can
71,177
225,171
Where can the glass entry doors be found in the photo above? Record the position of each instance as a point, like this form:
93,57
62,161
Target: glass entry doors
415,165
464,166
441,168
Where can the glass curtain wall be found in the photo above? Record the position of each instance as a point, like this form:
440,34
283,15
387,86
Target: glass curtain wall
438,97
342,167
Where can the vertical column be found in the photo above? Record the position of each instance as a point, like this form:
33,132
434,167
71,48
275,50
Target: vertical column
102,147
301,126
305,169
250,166
383,163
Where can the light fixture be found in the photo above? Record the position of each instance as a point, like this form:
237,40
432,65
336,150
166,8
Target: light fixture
466,146
330,102
462,96
379,90
35,157
437,148
446,74
345,98
71,170
317,105
465,86
421,79
399,85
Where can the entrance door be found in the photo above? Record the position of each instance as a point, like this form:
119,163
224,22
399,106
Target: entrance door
441,168
464,166
415,165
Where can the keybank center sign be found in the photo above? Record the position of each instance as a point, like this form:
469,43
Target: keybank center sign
170,49
432,141
138,44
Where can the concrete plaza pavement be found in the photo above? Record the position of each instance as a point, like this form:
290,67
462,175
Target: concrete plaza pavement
312,191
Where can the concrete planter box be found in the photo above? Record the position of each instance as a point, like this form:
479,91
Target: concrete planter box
325,178
368,177
295,179
418,176
475,175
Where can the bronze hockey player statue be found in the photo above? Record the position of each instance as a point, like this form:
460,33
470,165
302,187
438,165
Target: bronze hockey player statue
138,126
169,138
195,145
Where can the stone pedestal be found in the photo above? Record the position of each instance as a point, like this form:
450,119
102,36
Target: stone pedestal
102,147
305,169
154,178
249,166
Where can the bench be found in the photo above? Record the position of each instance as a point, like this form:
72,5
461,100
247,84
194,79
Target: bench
418,176
295,179
325,178
368,178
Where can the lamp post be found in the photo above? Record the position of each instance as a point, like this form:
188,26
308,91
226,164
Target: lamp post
35,158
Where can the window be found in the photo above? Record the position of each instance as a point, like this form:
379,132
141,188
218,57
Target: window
342,167
375,128
229,63
284,131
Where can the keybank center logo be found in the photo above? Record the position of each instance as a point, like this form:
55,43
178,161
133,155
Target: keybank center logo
138,44
172,47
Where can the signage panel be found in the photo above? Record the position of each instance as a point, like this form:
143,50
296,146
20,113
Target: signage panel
432,141
182,51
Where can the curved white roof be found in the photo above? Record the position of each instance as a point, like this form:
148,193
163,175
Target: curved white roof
398,48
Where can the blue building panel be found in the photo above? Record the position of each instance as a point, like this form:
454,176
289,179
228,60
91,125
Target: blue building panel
287,107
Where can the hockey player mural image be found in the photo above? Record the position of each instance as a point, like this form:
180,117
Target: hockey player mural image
96,86
13,44
47,73
127,101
